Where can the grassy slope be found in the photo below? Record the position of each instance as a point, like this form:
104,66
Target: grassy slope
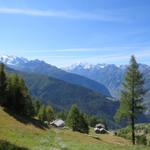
25,135
126,132
34,138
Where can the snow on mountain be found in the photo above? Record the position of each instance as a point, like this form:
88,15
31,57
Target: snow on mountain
79,65
85,66
88,66
41,67
109,75
12,60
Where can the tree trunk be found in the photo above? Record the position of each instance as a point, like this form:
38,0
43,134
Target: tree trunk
133,112
133,130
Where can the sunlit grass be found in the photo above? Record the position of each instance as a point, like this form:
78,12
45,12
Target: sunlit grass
34,138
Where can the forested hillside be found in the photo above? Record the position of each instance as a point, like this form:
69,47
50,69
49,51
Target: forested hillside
62,95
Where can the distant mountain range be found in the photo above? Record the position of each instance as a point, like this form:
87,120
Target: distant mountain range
61,95
103,78
83,84
111,76
43,68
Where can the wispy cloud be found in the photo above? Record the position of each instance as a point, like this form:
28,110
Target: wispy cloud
109,55
101,15
111,49
119,58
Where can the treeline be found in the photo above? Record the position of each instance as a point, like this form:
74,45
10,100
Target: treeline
43,112
77,121
14,96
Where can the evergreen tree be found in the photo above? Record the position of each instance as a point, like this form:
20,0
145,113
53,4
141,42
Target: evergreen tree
49,113
73,118
25,99
63,115
18,97
36,104
93,121
131,96
3,85
14,94
76,121
83,124
42,113
10,94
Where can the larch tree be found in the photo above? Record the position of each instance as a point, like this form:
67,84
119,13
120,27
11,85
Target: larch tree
49,113
42,113
3,85
76,120
131,104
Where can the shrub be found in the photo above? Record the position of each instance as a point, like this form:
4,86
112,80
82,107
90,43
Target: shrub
76,120
141,139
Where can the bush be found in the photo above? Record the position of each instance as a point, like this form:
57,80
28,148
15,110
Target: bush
76,120
141,139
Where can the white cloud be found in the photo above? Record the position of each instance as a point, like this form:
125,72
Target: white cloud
110,55
101,15
118,58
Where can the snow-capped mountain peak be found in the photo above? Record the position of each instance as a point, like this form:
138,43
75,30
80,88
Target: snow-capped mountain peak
100,66
86,66
79,65
12,60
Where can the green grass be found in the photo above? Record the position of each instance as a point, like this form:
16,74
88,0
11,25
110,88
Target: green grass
141,129
4,145
77,141
34,138
25,135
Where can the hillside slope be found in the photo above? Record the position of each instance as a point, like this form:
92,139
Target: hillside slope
62,95
24,134
109,75
34,138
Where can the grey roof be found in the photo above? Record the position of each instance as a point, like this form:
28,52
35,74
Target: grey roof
58,122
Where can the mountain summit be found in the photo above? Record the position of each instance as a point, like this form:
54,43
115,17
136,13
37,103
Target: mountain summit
109,75
13,60
43,68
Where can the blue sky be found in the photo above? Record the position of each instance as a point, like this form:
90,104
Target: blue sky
63,32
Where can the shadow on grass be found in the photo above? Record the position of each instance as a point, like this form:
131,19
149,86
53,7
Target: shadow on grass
4,145
26,120
95,137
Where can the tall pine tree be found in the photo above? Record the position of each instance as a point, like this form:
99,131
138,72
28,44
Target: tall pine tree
3,86
42,113
49,113
18,96
131,104
73,118
76,120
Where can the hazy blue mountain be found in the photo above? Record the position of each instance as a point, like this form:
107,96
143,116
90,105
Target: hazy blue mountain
43,68
110,75
62,95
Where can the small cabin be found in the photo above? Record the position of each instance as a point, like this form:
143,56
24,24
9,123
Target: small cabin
100,126
100,129
59,123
